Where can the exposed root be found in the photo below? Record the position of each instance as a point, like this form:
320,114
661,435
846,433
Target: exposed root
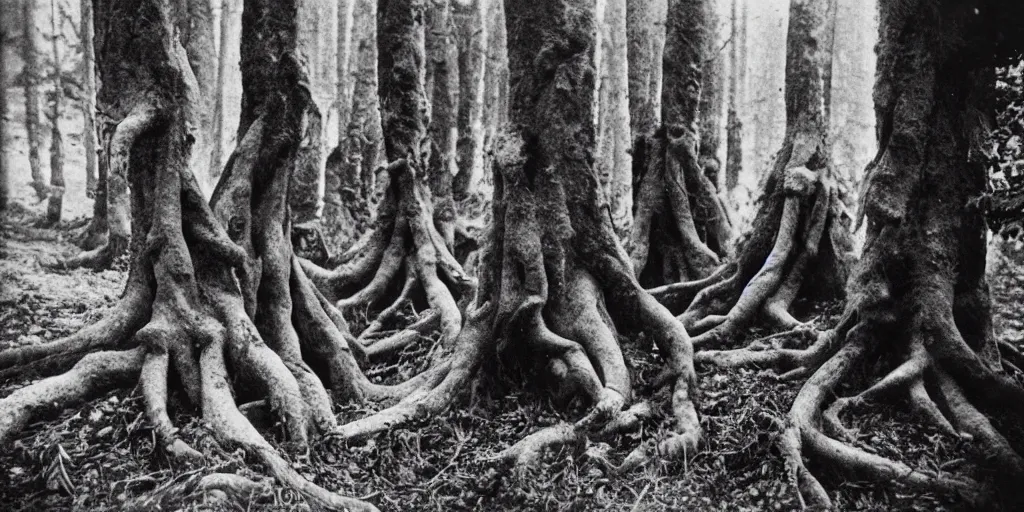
404,243
93,375
721,311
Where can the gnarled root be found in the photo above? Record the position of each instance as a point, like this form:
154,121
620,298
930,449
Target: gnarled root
813,421
810,215
404,246
680,230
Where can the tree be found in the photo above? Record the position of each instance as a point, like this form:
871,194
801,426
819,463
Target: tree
442,88
213,288
5,166
711,93
681,229
614,164
56,192
555,280
195,23
801,230
89,100
919,293
405,242
737,77
227,54
472,37
645,34
32,76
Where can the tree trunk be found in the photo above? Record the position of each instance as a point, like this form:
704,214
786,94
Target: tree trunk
614,163
213,290
227,55
194,20
801,231
852,119
642,34
472,36
442,131
681,228
5,165
554,262
496,79
712,90
89,99
918,294
56,201
404,254
33,77
737,76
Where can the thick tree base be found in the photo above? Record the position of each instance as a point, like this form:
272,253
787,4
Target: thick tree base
799,237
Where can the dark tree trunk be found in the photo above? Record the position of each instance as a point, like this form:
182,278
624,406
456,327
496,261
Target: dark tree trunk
56,201
918,294
5,167
33,78
89,99
681,229
554,262
711,92
801,231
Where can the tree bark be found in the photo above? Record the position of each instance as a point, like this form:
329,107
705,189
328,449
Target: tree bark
643,36
472,36
614,163
5,166
496,79
227,54
554,261
712,90
801,231
33,77
918,294
194,20
56,192
737,76
443,129
89,99
681,228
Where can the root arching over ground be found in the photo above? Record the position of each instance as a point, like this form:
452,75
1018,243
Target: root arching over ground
918,302
800,241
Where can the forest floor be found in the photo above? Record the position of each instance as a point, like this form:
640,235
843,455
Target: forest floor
102,455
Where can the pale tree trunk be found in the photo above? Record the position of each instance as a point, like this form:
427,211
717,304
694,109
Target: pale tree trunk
346,78
853,119
367,109
227,61
737,76
442,131
918,302
195,23
801,230
89,99
681,229
472,37
496,80
56,202
767,109
614,163
317,43
33,77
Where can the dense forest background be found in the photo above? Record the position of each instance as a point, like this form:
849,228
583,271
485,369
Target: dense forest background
522,255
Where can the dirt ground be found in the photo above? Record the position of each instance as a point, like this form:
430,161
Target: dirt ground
102,456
